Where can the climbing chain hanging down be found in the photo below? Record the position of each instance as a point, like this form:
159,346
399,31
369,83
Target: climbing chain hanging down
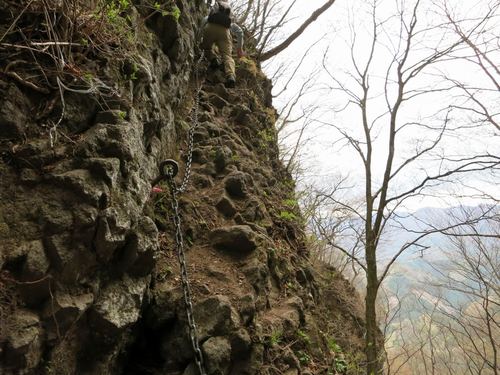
168,170
188,301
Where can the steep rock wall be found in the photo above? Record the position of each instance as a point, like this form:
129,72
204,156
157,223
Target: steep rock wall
89,274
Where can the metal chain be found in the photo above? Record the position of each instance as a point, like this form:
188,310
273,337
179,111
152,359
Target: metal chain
193,332
174,190
195,124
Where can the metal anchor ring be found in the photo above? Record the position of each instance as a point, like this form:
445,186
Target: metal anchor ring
169,168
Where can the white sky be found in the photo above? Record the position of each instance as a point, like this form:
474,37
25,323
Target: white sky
325,158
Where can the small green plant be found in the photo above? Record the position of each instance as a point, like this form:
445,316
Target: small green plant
157,7
266,135
333,346
175,12
275,338
118,22
291,203
135,69
304,337
88,77
288,216
122,115
303,358
114,8
340,365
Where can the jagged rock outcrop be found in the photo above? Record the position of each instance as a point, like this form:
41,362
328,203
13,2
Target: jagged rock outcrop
89,275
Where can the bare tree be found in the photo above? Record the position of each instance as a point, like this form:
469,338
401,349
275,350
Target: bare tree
455,326
264,20
330,222
479,33
402,156
470,309
335,223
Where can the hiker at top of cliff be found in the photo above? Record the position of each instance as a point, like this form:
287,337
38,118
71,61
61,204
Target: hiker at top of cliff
218,26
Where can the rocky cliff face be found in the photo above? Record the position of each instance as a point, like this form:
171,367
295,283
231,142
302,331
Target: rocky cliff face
90,282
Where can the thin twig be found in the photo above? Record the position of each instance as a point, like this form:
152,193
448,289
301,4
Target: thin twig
53,313
56,43
15,21
26,83
19,46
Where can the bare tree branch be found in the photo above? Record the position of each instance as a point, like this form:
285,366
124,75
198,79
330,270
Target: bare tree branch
286,43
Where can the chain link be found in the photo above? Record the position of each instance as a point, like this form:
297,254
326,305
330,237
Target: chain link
188,301
195,124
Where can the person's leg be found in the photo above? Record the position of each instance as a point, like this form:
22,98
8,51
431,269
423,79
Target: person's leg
225,46
209,38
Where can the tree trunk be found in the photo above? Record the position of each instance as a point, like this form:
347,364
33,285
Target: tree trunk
372,350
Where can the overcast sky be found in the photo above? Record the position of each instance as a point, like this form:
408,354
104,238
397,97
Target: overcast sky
325,157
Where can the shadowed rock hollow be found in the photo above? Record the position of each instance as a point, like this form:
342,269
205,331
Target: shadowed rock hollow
89,279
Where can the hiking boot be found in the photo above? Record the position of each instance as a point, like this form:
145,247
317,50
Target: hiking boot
214,64
230,83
